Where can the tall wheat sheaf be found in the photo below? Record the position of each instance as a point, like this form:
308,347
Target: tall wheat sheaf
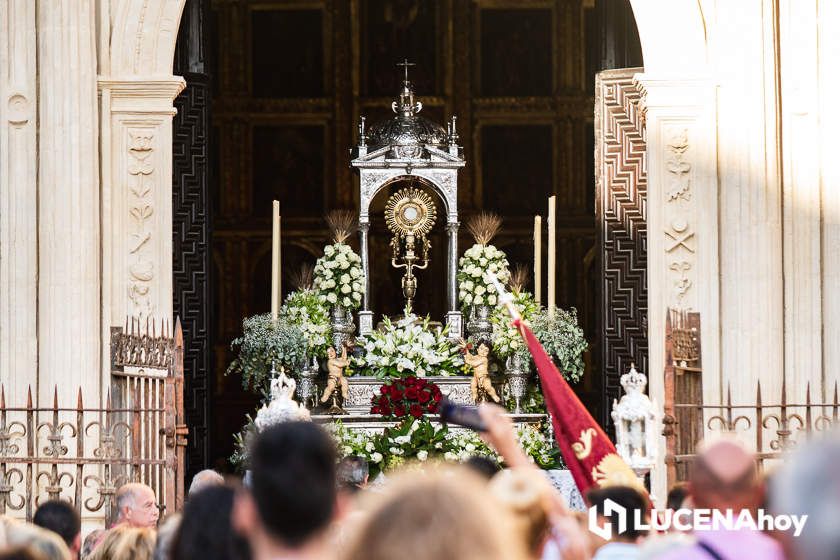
484,227
342,224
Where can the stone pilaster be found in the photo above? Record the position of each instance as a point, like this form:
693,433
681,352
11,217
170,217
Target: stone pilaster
68,200
136,145
18,205
682,223
829,84
802,203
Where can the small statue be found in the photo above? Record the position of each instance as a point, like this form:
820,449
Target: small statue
337,381
282,406
637,424
481,387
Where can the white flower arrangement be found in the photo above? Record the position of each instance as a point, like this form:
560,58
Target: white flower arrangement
420,440
339,278
506,338
478,259
304,309
407,348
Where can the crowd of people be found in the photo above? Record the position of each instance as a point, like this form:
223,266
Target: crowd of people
301,503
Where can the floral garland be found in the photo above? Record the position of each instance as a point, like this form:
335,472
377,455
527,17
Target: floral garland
303,308
405,349
478,259
412,396
417,439
339,278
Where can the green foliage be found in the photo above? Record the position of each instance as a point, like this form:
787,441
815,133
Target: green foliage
563,340
262,343
304,309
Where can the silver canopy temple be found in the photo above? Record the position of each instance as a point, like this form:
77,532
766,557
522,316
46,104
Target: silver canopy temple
404,147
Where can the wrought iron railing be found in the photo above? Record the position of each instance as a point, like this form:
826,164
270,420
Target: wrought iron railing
84,454
772,429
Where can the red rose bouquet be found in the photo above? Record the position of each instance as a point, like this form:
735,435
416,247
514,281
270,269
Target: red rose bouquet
410,396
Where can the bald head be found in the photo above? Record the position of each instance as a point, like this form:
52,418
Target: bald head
204,479
137,505
724,475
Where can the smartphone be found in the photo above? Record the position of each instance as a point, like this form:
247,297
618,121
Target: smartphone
461,415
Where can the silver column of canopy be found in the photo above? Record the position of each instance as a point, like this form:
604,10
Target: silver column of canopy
410,146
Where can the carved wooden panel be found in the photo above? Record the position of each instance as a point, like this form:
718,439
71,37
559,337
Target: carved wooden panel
621,183
287,53
517,174
395,30
191,230
516,52
288,165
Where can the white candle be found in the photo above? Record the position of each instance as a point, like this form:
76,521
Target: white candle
552,253
275,260
538,259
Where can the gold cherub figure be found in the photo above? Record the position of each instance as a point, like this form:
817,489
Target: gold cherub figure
337,381
480,387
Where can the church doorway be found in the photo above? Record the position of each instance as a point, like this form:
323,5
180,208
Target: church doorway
274,93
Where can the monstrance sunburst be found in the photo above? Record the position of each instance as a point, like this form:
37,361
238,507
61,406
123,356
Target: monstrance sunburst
410,215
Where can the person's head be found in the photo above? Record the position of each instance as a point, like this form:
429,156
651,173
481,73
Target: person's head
204,479
724,476
352,474
43,544
627,497
331,352
676,496
205,529
432,516
93,539
483,349
165,536
137,505
125,542
61,518
485,467
809,484
527,495
19,553
293,486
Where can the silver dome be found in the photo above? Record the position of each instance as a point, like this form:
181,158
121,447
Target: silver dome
407,132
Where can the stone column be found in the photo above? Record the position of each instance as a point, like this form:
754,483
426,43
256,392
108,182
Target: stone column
136,117
452,270
682,223
453,316
68,201
365,315
18,203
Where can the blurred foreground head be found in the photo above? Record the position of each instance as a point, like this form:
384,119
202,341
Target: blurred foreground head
124,542
433,516
724,476
205,529
527,495
809,484
62,519
293,487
